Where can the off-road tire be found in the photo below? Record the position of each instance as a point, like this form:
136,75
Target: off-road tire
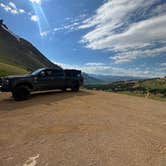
75,87
21,93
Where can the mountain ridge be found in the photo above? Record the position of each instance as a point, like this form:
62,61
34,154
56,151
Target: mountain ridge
16,51
114,78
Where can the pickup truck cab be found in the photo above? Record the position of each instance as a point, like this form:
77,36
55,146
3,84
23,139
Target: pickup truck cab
42,79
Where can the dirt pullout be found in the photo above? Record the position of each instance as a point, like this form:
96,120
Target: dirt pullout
89,128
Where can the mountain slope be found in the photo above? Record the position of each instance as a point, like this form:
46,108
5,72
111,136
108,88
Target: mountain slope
18,52
6,69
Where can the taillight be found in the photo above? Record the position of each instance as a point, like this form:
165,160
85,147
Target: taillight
82,79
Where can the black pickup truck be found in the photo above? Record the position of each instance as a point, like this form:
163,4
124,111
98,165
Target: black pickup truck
42,79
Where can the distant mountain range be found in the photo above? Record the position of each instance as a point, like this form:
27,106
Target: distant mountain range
90,79
111,78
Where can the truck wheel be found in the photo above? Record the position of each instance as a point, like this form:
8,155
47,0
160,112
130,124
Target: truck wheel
21,93
75,88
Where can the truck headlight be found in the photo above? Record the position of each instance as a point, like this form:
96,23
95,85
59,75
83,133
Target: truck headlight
6,82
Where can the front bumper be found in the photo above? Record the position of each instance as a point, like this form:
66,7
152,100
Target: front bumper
5,89
5,86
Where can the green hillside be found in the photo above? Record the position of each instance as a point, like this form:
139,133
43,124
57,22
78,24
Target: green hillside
152,88
6,69
19,54
153,84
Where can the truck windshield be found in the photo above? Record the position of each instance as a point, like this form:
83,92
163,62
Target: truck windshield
37,71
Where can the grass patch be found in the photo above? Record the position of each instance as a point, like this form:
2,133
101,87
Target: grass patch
6,69
151,88
158,96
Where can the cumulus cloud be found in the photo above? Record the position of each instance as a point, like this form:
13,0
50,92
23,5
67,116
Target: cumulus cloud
139,34
12,5
128,30
34,18
130,55
12,8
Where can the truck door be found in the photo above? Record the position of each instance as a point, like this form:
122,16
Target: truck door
59,79
50,79
43,81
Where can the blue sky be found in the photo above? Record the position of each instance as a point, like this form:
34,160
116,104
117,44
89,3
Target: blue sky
110,37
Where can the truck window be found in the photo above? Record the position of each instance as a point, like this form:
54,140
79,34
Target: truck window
58,73
69,73
49,73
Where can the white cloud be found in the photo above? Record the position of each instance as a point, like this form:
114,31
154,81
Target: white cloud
44,33
6,7
14,11
138,34
12,8
114,28
68,27
72,23
112,13
94,64
105,69
12,5
57,29
128,56
35,18
36,1
163,65
21,10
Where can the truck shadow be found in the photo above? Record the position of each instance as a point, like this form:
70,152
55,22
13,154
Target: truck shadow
42,98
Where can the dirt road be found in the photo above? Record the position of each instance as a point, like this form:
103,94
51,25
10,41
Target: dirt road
88,128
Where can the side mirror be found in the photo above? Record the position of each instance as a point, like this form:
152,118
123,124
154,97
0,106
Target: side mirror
42,74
